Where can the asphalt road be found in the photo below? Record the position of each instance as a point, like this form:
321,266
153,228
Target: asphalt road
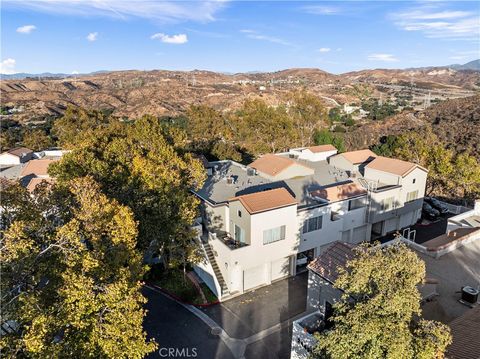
179,333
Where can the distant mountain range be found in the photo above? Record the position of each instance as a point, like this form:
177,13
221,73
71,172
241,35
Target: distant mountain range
472,65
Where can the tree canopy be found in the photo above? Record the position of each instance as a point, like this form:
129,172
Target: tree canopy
379,313
71,275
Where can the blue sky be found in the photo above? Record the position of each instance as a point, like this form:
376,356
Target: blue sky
337,36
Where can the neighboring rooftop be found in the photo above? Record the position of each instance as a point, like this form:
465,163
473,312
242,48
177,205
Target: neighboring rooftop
340,192
466,336
271,164
34,182
393,165
336,256
11,172
19,151
321,148
37,167
266,200
359,156
452,238
453,271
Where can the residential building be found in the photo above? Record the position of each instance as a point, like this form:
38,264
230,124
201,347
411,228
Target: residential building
16,156
268,220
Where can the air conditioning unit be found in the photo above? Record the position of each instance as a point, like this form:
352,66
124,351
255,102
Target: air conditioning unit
469,294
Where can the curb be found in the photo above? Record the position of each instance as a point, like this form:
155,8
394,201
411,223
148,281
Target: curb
178,299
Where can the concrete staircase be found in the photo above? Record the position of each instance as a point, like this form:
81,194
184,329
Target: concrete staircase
216,270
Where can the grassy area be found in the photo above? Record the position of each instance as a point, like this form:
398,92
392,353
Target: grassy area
174,282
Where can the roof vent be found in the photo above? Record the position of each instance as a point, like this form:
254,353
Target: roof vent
251,171
469,294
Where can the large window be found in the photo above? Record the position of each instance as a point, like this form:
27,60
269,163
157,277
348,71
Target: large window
273,235
388,203
357,203
412,196
312,224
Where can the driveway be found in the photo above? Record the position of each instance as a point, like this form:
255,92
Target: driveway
175,329
251,315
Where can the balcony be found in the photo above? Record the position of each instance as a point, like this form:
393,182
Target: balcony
230,242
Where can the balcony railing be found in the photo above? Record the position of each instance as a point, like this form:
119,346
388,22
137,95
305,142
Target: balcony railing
231,242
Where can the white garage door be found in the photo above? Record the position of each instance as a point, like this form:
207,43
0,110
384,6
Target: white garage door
253,277
280,268
359,234
407,219
390,225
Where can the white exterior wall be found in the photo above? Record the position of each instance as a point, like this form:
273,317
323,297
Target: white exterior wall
217,217
9,159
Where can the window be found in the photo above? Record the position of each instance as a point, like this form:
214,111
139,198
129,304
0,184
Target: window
388,203
412,196
239,234
273,235
413,181
312,224
239,213
357,203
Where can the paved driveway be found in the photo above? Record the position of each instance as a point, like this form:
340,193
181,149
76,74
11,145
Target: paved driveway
252,313
174,327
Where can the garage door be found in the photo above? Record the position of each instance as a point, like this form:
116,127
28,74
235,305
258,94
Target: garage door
390,225
359,234
280,268
253,277
407,219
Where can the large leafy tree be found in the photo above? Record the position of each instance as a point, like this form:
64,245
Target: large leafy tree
308,114
142,165
71,275
36,140
378,315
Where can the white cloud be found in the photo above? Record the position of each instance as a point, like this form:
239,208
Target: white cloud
75,72
166,11
321,10
7,66
252,34
382,57
27,29
324,49
92,36
435,22
170,39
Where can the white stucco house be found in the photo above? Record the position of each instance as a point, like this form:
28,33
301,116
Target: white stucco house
268,220
16,156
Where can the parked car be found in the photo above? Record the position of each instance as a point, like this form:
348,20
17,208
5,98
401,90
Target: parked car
429,212
435,203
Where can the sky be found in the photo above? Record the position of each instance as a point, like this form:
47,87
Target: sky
81,36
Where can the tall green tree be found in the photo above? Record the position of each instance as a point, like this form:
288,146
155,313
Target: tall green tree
325,137
378,314
37,140
308,114
71,275
141,166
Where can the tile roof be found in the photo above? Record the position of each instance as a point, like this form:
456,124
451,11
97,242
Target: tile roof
34,182
19,151
271,164
340,192
266,200
466,333
359,156
322,148
36,167
336,256
392,165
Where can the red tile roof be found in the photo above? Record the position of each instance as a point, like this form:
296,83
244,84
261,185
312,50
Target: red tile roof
466,336
321,148
340,192
266,200
36,167
34,182
393,165
19,151
271,164
336,256
359,156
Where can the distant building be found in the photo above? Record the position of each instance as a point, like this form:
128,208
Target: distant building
16,156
